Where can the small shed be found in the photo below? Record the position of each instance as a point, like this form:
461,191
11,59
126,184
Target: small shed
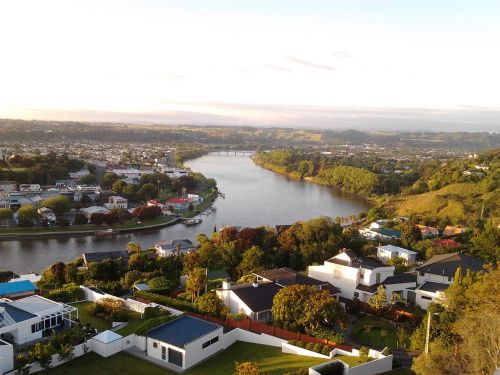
107,343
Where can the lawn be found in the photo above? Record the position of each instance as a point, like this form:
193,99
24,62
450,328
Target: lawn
376,332
351,361
269,358
134,318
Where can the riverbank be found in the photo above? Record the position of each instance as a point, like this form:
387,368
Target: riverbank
371,199
86,230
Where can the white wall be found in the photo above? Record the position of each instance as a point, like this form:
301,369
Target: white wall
292,349
431,277
233,302
6,357
21,331
195,353
376,366
106,350
242,335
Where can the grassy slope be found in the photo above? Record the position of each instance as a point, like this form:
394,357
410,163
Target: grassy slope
270,360
457,201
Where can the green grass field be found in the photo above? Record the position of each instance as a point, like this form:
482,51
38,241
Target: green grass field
376,332
86,317
269,359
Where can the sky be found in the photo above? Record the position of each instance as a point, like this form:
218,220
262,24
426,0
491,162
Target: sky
310,63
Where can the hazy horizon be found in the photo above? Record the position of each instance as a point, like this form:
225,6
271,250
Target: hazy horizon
390,64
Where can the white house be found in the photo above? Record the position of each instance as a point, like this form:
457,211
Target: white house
89,211
47,214
167,248
184,342
115,202
7,186
351,274
386,252
195,198
386,234
30,187
26,319
435,275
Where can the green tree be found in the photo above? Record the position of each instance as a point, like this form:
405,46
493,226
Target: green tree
26,215
66,353
108,179
118,186
196,281
89,179
254,259
378,301
211,304
59,204
303,306
130,191
410,235
134,248
5,214
146,192
487,245
42,353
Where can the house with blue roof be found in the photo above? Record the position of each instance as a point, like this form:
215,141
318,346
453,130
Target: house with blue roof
184,342
17,289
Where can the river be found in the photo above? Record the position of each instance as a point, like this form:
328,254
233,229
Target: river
253,196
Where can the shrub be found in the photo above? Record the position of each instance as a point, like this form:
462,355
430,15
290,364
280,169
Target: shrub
334,368
167,301
309,346
326,350
327,333
318,348
119,316
149,324
363,354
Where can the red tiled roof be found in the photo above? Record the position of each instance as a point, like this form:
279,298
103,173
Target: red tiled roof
178,200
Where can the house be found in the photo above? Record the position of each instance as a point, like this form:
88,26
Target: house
153,203
184,342
30,318
254,299
17,289
195,199
179,203
99,257
8,186
286,277
47,214
435,275
386,252
427,231
356,277
452,231
89,211
115,202
30,187
167,248
385,234
379,224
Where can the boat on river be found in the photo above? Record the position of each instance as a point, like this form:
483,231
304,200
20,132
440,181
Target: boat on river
192,222
105,233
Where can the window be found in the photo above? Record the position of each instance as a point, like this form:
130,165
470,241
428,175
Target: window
421,273
155,345
425,297
174,357
210,342
449,279
163,353
377,277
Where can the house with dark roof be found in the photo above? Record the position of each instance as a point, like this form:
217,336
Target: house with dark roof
255,300
386,234
17,289
99,257
286,276
184,342
435,275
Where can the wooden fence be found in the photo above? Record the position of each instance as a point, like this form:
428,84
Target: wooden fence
256,327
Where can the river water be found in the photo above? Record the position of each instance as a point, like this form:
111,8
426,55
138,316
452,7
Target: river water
253,196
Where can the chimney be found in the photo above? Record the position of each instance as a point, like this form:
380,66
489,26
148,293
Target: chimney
226,284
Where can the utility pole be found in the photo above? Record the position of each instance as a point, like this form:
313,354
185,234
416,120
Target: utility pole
426,350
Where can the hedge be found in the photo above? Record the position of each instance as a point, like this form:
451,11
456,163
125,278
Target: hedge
167,301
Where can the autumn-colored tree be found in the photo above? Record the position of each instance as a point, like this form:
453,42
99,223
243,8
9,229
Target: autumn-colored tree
196,281
247,368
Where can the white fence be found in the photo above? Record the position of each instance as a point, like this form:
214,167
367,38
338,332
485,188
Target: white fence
238,334
130,304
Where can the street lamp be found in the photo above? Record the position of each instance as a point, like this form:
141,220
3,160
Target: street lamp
427,336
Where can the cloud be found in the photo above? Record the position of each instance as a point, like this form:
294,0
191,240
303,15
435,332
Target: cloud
309,64
279,68
174,77
343,54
